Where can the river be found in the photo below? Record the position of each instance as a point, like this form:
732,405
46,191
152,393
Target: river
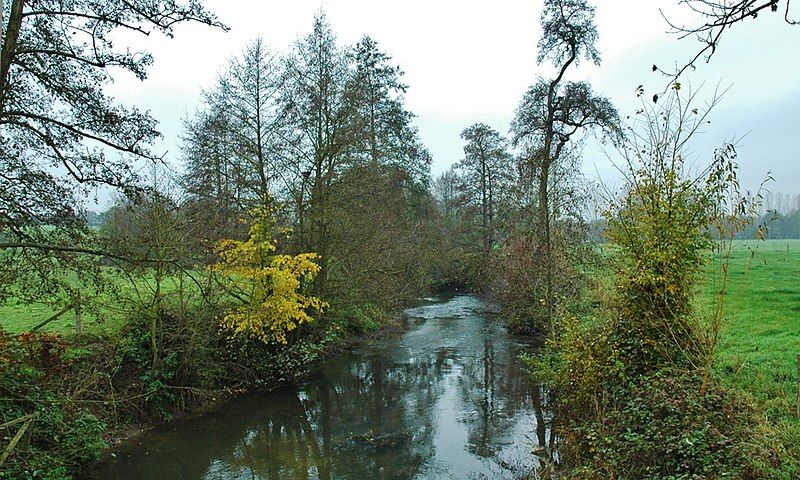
447,399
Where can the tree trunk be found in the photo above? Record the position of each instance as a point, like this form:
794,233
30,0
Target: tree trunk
9,45
490,188
2,25
484,208
544,229
154,321
372,134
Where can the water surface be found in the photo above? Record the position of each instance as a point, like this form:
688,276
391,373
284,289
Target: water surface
448,399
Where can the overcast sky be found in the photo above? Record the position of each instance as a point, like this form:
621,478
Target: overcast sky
470,61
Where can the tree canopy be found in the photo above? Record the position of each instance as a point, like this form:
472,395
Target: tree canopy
61,135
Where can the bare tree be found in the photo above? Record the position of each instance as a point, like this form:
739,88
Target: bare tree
320,110
486,172
253,85
234,148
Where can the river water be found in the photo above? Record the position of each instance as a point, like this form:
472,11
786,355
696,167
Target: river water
448,399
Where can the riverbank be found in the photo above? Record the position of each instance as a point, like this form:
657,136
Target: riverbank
388,329
90,392
447,399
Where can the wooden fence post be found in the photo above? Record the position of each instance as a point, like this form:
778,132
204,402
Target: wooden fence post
78,319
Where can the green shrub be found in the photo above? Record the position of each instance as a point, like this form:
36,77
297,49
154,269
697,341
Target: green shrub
357,319
64,436
660,427
637,397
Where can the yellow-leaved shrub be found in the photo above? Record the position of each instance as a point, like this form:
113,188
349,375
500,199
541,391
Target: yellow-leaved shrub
269,285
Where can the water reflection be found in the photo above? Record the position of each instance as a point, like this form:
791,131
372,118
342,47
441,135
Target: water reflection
447,400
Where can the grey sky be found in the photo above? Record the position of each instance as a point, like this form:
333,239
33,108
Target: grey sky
469,61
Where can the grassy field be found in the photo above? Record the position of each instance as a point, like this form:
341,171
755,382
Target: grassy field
18,318
761,338
104,313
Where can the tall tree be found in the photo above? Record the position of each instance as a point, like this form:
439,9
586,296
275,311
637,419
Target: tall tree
384,130
213,178
57,124
445,192
252,87
486,169
234,148
456,221
320,109
553,112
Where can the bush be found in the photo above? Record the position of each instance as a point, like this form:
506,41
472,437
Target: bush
64,436
357,319
463,272
522,282
660,427
636,394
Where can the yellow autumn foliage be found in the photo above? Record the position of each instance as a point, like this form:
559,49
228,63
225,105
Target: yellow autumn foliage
268,284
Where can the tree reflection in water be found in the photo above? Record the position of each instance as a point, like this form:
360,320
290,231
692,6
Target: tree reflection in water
449,399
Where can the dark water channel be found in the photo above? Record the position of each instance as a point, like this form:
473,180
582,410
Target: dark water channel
448,399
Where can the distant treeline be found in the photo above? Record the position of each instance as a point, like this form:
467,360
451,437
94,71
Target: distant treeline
775,225
771,225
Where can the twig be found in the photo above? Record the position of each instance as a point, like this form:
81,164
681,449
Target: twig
54,317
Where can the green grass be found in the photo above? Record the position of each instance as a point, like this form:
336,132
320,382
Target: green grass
19,318
761,337
100,317
104,313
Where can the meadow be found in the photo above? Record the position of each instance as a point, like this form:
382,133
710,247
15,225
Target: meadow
103,313
761,336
